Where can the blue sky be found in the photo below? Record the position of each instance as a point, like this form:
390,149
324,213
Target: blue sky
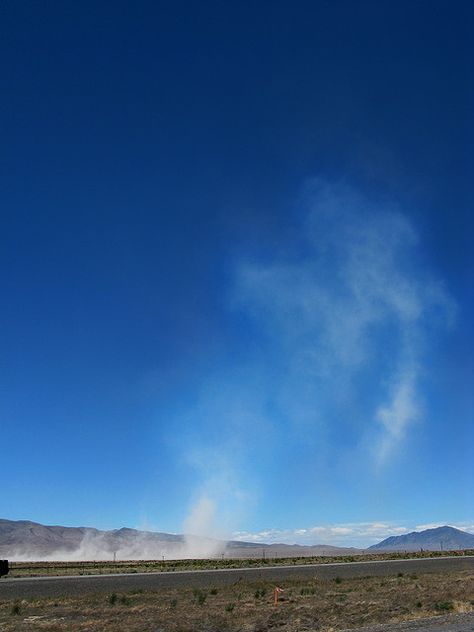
236,267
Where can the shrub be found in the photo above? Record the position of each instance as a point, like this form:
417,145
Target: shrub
230,607
307,590
113,599
173,603
338,580
213,591
444,605
418,604
16,609
199,596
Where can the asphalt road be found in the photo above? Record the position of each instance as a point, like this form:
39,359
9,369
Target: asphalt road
20,588
449,623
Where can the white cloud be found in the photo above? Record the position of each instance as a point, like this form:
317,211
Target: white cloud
361,534
357,534
341,530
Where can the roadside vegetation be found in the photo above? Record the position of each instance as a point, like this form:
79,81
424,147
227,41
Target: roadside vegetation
323,605
35,569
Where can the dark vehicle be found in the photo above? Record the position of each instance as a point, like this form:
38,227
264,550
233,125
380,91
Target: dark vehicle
4,568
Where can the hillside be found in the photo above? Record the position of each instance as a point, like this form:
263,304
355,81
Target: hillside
441,538
26,540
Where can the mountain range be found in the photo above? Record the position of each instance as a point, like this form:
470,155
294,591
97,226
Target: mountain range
440,538
26,540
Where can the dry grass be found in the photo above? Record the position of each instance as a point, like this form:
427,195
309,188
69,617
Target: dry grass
327,605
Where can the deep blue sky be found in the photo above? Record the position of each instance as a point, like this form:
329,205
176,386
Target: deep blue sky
236,264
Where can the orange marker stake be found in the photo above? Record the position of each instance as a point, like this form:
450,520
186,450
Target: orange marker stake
276,592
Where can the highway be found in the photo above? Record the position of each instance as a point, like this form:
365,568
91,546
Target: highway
24,588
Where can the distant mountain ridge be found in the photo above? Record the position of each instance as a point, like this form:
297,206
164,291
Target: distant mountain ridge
31,540
440,538
26,540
